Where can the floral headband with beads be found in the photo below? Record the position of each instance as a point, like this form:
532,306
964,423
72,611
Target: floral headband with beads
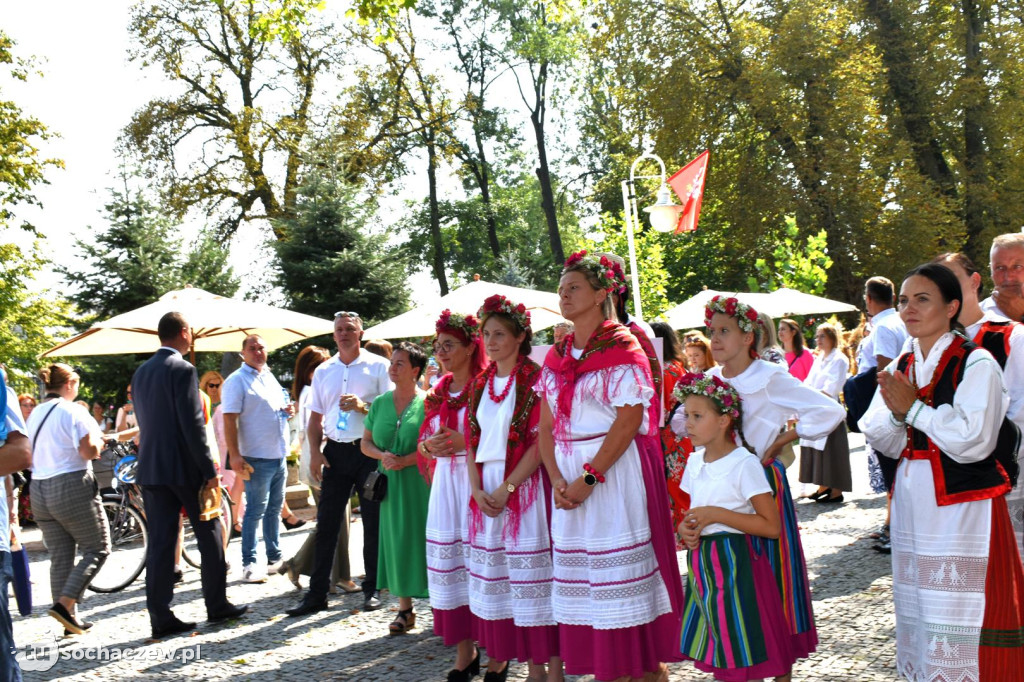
466,325
709,386
499,304
604,269
746,317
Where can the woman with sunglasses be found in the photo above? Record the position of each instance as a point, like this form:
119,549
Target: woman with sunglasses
442,462
65,496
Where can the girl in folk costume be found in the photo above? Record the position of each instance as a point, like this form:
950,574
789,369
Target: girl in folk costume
771,397
733,622
510,546
617,592
442,462
957,577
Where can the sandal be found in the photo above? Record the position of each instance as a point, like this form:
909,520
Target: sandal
403,622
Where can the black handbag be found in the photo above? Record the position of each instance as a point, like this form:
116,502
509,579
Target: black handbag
376,486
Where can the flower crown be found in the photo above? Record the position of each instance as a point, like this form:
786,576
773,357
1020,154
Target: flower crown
746,317
499,304
467,324
709,386
604,269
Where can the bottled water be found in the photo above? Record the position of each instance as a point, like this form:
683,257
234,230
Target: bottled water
342,420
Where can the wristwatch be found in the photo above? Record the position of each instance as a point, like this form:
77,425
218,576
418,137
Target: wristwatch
510,487
589,478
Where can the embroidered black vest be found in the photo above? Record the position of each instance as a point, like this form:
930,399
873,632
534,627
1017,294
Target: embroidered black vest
955,482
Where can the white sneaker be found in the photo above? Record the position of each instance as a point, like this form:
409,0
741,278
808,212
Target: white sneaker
253,574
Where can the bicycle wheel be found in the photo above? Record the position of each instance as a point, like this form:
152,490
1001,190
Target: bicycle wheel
128,539
189,546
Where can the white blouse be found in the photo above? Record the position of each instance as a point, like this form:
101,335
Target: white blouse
829,373
770,397
966,430
495,419
598,396
728,483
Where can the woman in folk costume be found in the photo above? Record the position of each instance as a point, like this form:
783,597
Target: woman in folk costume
957,577
771,397
617,591
509,542
442,462
733,622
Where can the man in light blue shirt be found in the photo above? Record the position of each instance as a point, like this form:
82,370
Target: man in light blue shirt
256,410
15,455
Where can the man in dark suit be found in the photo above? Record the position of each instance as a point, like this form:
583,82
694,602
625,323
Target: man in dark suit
174,465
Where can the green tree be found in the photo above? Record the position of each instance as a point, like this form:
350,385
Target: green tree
330,260
249,73
137,258
796,266
29,316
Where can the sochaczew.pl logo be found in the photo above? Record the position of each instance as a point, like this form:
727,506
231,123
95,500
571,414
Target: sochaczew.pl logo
43,655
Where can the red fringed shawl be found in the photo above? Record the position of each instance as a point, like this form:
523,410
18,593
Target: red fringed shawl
439,403
522,434
611,345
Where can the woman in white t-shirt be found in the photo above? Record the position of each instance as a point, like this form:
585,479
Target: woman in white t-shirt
65,497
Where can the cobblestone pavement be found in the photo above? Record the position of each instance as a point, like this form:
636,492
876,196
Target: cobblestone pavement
852,605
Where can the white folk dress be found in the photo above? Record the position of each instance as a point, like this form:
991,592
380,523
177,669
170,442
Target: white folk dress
606,574
509,577
447,532
940,555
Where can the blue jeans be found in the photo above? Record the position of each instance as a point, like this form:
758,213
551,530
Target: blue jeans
264,497
9,669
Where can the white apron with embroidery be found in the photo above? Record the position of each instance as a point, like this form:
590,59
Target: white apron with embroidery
940,554
606,575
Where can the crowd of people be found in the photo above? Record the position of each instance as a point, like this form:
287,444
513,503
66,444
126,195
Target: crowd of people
539,502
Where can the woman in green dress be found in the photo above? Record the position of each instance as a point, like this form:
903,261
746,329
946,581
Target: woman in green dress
392,432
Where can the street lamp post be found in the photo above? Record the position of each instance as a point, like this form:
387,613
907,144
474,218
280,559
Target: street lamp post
663,216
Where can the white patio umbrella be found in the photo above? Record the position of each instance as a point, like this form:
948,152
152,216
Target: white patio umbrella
690,313
780,303
543,307
218,324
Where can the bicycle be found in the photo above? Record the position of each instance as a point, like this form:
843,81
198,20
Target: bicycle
129,534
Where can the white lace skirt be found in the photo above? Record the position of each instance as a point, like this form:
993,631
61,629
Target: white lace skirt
511,578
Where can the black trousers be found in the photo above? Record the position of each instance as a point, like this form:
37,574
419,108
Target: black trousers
163,509
348,469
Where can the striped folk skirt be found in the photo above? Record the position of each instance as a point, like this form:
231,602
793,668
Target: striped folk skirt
733,622
787,559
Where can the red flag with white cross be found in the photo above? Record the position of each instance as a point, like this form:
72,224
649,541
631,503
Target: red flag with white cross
688,184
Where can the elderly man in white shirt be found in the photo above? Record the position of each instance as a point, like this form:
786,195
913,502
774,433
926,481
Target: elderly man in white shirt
343,388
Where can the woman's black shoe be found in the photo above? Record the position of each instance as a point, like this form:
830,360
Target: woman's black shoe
817,496
830,500
467,673
497,677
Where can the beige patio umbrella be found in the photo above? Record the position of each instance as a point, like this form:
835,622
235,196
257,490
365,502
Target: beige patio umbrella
418,322
218,324
780,303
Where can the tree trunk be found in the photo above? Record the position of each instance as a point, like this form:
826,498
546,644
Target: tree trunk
900,57
435,214
975,151
484,180
547,195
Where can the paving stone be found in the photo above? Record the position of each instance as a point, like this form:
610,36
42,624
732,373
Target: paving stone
851,586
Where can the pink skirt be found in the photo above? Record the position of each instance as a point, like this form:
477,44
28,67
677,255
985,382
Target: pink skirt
454,625
505,641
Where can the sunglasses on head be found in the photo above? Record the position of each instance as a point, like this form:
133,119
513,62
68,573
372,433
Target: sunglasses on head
345,313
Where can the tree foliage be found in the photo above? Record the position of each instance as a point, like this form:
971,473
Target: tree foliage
803,267
330,258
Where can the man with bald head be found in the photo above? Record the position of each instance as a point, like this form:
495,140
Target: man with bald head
256,410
